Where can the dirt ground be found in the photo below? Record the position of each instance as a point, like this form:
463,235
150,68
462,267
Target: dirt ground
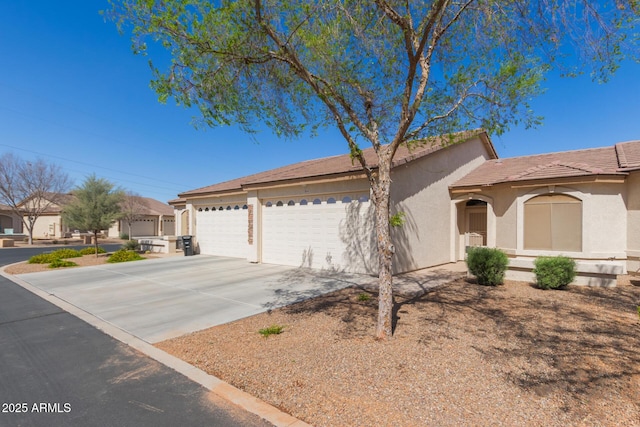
462,354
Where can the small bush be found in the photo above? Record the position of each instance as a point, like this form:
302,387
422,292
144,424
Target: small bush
42,259
124,236
363,296
91,250
66,253
271,330
62,263
131,245
488,265
554,272
124,256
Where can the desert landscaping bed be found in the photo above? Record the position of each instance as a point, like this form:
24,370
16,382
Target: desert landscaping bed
83,261
462,354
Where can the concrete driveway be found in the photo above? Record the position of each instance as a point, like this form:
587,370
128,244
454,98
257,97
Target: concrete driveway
163,298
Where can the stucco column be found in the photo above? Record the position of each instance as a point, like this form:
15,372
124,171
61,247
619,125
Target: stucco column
253,227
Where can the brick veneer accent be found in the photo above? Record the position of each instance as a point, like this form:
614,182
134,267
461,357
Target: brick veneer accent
250,225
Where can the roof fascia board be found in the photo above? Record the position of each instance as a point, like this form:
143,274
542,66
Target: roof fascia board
484,137
311,180
213,194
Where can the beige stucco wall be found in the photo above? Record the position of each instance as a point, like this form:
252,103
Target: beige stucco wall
633,222
421,190
47,226
604,217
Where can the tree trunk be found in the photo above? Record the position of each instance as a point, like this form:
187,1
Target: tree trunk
95,241
381,198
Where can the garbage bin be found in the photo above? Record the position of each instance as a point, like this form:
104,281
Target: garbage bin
187,245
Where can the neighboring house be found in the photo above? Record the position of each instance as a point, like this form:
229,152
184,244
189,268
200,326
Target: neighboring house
156,219
50,224
584,204
10,223
318,213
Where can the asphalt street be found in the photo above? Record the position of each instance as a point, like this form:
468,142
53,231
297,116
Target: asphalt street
56,370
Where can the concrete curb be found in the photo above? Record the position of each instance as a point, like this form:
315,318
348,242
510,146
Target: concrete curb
224,390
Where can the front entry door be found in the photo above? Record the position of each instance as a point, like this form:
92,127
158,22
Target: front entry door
476,226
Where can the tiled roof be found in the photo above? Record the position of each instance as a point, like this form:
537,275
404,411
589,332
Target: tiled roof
577,163
629,154
328,166
155,207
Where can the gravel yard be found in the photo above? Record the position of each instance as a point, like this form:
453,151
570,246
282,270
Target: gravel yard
462,354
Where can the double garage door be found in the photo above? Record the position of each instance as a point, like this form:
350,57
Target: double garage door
332,232
222,230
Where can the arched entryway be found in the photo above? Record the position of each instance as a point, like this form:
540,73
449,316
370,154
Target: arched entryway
474,224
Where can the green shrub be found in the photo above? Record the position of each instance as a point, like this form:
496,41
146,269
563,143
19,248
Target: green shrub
363,296
62,263
554,272
91,250
131,245
124,236
488,265
66,253
271,330
124,256
42,259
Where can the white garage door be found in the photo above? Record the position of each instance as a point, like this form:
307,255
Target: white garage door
222,230
332,232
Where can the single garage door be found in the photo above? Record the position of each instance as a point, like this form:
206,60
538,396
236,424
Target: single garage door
222,230
327,232
141,228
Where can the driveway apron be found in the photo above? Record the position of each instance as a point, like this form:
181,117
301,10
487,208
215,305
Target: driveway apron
162,298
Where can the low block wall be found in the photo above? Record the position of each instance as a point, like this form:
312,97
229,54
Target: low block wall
6,243
158,244
589,273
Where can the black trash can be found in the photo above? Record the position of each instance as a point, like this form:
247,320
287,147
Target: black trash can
187,245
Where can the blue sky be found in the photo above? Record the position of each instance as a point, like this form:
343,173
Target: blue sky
72,93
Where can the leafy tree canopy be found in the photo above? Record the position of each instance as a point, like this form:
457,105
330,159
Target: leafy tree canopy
384,72
95,207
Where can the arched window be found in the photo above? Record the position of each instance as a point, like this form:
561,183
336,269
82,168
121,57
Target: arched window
236,208
279,203
199,209
303,202
206,209
346,199
363,198
269,204
291,203
245,207
553,222
331,200
228,208
317,201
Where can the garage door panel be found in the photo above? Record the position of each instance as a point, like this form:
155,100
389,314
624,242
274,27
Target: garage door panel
316,235
222,232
